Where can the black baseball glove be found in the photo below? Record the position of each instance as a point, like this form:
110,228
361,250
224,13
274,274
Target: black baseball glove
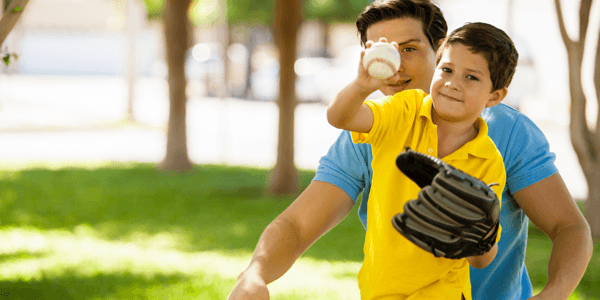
454,211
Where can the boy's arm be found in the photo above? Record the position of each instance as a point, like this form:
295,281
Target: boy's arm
482,261
347,111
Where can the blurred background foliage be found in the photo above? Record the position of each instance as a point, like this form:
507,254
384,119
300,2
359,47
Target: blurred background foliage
204,12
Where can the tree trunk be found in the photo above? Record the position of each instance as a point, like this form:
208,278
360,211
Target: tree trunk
324,38
284,177
10,17
586,142
176,38
592,205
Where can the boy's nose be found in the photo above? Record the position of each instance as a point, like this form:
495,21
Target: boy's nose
450,84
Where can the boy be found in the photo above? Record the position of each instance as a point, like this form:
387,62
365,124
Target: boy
475,65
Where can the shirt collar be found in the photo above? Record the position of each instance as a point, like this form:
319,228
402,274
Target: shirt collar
481,146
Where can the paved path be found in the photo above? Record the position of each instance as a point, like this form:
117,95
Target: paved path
68,120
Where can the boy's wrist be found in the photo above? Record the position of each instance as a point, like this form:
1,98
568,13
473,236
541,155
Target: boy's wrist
362,88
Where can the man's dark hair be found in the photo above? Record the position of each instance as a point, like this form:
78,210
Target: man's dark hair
491,42
431,17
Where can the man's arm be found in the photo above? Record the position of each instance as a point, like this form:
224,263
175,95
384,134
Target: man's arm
551,208
289,235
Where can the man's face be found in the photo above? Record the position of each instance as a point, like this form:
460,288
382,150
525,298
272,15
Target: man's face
417,56
461,87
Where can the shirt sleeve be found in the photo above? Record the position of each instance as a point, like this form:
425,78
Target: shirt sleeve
346,165
527,158
390,114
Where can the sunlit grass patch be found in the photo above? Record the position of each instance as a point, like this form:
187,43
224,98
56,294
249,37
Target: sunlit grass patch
75,265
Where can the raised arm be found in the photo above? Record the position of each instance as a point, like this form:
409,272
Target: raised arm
347,111
551,208
289,235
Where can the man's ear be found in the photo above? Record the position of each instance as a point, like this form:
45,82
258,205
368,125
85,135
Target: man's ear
497,96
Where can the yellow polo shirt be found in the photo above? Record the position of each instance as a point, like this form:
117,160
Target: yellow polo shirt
394,268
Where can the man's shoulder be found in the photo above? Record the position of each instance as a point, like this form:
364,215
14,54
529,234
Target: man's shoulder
501,113
343,148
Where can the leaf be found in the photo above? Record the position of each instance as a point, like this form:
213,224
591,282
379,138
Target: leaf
6,59
15,56
17,9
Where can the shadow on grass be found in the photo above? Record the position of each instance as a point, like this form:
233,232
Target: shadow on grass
70,285
20,255
212,208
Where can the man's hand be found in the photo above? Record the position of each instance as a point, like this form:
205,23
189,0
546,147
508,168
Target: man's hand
249,286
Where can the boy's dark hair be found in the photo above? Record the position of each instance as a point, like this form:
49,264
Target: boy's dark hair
434,24
491,42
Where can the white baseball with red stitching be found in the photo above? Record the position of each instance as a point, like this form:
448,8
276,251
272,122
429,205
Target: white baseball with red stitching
381,60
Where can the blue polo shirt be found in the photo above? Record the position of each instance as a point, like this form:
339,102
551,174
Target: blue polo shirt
527,160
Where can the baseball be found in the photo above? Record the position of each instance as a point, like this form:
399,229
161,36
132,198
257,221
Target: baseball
381,60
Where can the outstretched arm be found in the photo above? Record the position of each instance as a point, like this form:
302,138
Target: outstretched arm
551,208
289,235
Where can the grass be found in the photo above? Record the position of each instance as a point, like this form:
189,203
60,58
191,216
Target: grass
126,231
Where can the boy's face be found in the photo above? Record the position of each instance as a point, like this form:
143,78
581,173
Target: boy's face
417,56
462,87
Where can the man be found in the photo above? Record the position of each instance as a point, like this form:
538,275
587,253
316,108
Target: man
534,188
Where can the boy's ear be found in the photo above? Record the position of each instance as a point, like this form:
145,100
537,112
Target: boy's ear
497,96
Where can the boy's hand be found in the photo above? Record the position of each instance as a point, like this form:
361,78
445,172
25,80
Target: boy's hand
367,82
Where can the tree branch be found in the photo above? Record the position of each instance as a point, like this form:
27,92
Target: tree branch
584,17
10,18
561,24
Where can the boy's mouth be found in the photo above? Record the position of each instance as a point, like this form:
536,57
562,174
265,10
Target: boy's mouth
450,98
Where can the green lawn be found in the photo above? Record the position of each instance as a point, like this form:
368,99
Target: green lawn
127,231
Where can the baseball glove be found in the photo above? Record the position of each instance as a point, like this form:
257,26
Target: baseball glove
454,212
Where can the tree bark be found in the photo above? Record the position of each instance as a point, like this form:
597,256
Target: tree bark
586,142
176,36
10,17
284,177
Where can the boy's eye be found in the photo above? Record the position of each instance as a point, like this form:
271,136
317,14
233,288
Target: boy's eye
471,77
409,49
447,70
